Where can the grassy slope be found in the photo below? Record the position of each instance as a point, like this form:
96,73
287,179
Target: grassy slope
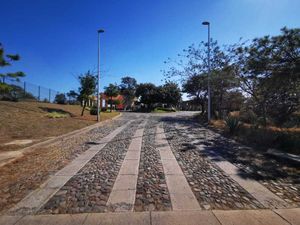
30,120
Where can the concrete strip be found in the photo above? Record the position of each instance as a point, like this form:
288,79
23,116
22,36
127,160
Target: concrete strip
291,215
190,217
257,190
122,196
182,197
36,199
9,220
260,192
171,166
128,218
247,217
184,218
130,166
62,219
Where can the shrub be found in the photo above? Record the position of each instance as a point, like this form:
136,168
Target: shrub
232,123
248,116
93,110
165,109
54,115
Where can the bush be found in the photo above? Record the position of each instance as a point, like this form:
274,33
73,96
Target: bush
60,99
248,116
165,109
93,110
232,123
54,115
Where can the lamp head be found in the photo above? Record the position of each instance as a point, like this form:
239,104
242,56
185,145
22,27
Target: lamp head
206,23
101,31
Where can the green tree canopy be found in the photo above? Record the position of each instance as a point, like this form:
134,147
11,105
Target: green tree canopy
7,60
88,83
111,91
127,89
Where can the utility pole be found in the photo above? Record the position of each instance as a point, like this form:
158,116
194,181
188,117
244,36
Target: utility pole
208,75
98,87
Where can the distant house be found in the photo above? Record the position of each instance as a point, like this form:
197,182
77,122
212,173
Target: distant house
118,102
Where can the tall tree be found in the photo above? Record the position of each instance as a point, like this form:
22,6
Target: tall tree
196,88
72,96
127,88
269,71
170,94
192,70
6,60
111,91
88,82
147,94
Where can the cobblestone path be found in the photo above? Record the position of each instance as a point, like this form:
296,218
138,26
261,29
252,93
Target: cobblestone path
167,171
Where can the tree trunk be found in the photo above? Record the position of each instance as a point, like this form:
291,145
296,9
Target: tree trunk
83,108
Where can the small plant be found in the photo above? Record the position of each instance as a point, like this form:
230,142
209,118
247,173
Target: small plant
232,123
93,110
54,115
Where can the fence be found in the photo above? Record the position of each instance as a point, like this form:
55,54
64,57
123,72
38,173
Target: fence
27,91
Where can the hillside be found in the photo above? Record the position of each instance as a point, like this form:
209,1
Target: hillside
33,122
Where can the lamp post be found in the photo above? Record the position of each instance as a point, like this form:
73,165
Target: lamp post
205,23
98,86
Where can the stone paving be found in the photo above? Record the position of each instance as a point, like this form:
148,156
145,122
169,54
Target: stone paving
152,192
213,188
89,189
280,177
167,165
37,166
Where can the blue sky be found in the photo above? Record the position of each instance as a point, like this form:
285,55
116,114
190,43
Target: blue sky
57,39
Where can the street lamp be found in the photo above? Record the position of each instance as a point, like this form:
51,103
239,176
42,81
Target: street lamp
205,23
98,91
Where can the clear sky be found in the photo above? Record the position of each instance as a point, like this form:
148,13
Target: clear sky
57,39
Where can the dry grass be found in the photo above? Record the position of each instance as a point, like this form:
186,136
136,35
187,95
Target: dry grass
30,120
285,139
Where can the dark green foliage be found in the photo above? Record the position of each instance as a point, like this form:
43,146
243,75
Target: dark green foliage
111,91
72,97
232,124
269,71
263,74
60,99
6,60
93,110
87,87
149,94
127,89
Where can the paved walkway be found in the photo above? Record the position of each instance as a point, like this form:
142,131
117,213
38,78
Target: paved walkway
88,180
182,197
192,217
258,191
122,196
35,200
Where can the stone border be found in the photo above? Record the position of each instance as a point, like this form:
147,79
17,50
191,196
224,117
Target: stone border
52,141
194,217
